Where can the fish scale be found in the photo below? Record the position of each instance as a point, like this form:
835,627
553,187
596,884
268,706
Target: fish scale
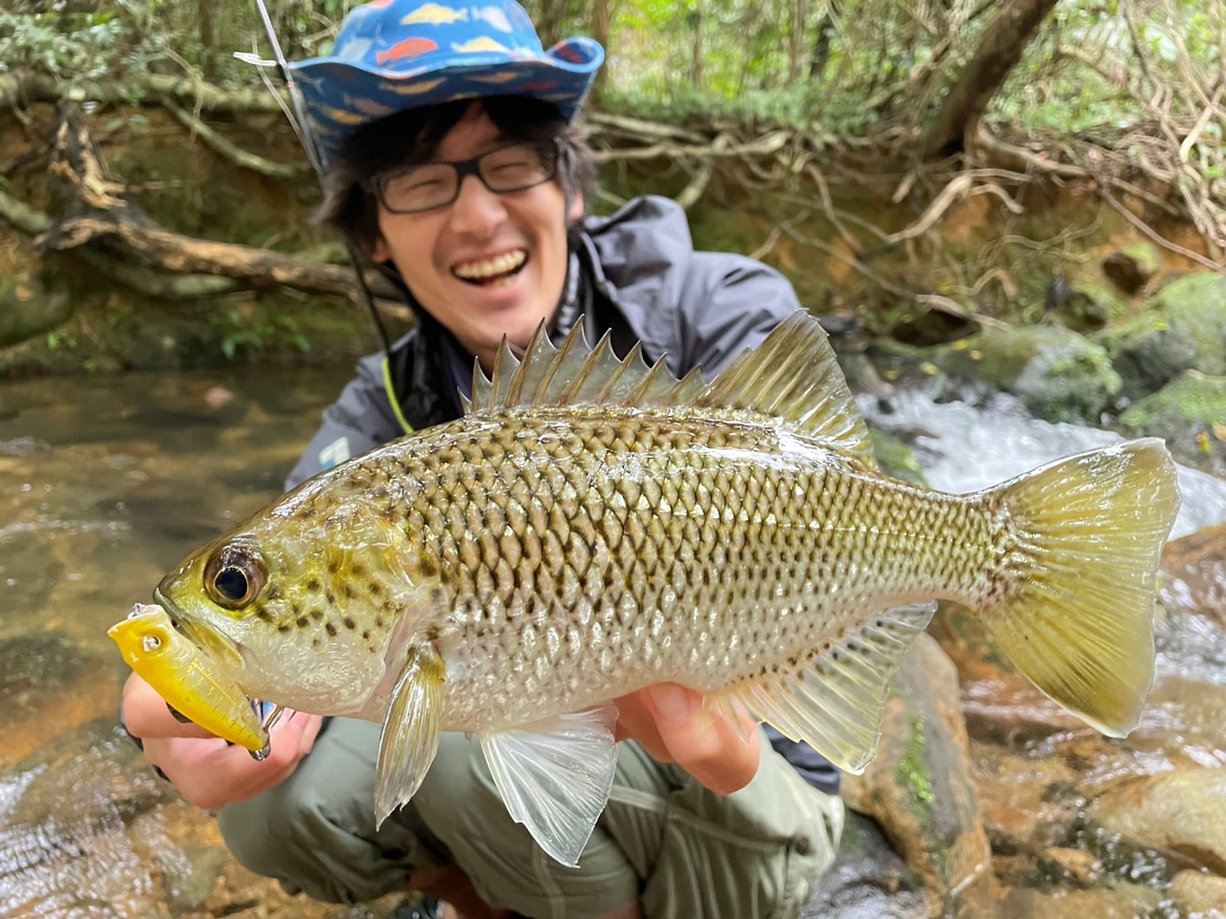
591,527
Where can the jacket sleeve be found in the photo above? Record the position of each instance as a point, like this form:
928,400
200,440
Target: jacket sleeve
359,420
726,305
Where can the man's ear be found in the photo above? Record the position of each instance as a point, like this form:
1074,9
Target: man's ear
574,213
380,253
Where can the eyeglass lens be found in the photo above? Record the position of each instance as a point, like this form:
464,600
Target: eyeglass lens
430,185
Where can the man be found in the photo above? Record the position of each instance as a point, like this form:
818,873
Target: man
452,163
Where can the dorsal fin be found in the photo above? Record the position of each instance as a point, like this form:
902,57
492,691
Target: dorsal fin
792,377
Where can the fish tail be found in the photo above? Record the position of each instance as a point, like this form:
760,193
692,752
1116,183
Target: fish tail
1075,597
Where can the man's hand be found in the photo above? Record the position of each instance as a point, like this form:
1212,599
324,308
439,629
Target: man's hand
674,724
208,771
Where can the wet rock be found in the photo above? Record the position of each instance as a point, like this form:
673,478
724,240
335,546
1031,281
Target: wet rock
1075,864
1029,804
1194,574
1183,327
868,880
1123,901
1189,413
64,849
918,787
1179,813
1058,374
30,305
1199,894
49,685
1012,712
87,830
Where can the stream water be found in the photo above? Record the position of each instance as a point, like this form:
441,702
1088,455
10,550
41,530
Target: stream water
106,482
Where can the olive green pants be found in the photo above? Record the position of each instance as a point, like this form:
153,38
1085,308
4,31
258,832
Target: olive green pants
682,850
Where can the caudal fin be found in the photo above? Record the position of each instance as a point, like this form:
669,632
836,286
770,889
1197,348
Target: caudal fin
1076,614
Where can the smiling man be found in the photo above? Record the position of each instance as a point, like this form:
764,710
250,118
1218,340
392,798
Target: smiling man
453,163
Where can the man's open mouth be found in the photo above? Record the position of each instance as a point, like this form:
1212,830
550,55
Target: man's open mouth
489,271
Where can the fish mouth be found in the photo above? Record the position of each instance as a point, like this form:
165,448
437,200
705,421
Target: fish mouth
220,645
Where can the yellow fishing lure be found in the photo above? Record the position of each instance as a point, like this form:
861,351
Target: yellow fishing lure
187,677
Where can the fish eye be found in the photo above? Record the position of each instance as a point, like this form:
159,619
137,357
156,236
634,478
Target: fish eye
234,576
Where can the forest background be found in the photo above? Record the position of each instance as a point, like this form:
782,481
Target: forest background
923,168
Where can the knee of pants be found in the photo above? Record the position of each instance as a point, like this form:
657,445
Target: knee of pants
269,832
315,831
458,791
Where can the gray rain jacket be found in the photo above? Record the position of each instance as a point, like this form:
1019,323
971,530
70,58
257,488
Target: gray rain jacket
634,273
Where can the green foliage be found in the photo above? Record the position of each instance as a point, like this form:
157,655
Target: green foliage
243,335
80,44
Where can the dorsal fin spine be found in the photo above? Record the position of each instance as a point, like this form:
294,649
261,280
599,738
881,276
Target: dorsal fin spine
792,378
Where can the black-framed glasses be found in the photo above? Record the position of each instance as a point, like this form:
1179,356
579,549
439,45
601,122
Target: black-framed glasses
425,187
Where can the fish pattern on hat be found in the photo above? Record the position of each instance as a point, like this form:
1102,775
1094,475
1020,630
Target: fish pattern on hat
393,55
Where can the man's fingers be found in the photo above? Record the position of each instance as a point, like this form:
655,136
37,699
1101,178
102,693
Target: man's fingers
721,755
211,773
145,714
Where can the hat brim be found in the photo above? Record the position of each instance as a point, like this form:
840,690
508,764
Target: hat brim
341,96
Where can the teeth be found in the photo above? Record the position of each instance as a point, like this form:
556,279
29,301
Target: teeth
492,267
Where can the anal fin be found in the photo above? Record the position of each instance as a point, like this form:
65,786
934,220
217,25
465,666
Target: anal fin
835,705
409,740
555,776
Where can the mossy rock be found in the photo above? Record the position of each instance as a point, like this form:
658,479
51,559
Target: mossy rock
1058,374
30,305
1182,328
1190,414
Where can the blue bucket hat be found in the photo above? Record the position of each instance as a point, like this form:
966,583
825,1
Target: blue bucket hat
393,55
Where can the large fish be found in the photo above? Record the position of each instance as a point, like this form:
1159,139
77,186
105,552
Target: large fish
592,526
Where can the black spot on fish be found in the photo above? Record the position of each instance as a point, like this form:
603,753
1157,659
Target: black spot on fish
331,598
317,614
302,622
349,623
366,634
334,566
348,591
331,629
313,585
283,628
358,570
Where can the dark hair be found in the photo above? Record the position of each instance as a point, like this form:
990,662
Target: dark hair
413,136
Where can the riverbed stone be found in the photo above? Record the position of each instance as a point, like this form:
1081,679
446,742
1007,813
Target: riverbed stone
1175,812
1058,374
1189,413
1182,327
868,879
918,788
1199,894
1118,901
49,685
88,829
30,305
1194,574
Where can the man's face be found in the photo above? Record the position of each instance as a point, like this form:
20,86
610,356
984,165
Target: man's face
488,264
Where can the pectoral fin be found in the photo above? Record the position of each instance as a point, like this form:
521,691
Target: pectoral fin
409,741
555,776
836,704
